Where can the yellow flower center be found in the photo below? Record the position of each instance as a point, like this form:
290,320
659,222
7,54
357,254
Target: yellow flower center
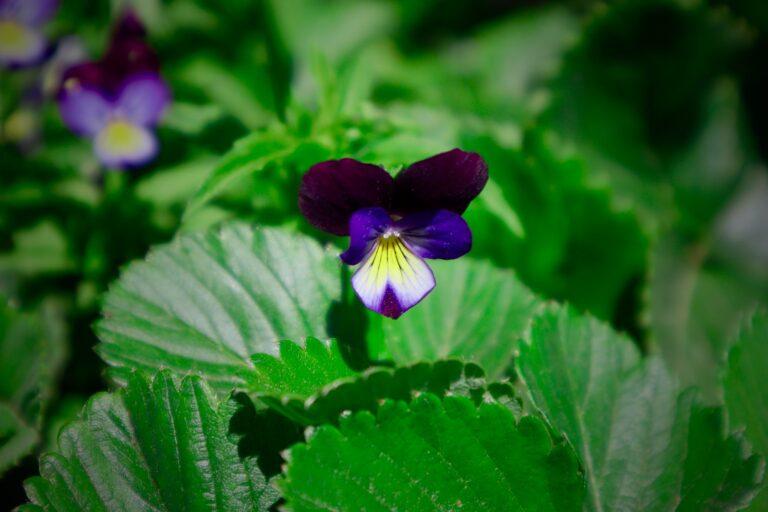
120,137
16,40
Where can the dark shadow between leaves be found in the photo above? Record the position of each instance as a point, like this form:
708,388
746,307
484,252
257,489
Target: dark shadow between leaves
262,434
347,322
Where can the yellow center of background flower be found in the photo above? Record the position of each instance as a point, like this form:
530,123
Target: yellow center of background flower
120,137
16,40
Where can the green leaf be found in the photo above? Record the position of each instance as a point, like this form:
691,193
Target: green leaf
338,28
433,455
493,200
190,118
207,302
511,58
151,446
476,312
250,154
644,444
222,85
695,304
177,183
32,353
564,210
17,438
41,249
746,396
313,385
298,371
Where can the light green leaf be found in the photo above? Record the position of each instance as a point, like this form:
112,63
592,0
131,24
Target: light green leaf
40,249
644,444
338,28
190,118
433,455
226,89
207,302
746,395
476,312
298,371
151,446
248,155
493,200
32,353
176,184
512,57
313,385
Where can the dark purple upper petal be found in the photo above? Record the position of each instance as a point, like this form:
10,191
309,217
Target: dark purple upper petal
143,99
365,226
437,234
33,13
129,26
332,191
448,181
87,75
126,58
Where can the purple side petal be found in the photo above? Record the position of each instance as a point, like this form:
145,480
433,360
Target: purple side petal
448,181
29,12
365,226
332,191
143,99
84,110
440,234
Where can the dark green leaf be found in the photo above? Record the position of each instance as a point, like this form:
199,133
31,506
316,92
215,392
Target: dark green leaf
433,455
32,353
313,385
746,395
151,446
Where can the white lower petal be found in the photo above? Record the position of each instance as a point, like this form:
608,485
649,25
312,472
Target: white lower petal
392,279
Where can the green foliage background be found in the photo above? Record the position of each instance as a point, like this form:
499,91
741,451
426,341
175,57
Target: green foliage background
179,338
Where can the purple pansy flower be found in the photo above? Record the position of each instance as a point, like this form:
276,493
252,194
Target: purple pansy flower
22,42
394,224
118,100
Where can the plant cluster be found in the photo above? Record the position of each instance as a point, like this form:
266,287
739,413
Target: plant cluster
553,295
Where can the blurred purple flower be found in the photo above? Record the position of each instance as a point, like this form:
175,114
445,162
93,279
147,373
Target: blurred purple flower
117,100
22,42
395,223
